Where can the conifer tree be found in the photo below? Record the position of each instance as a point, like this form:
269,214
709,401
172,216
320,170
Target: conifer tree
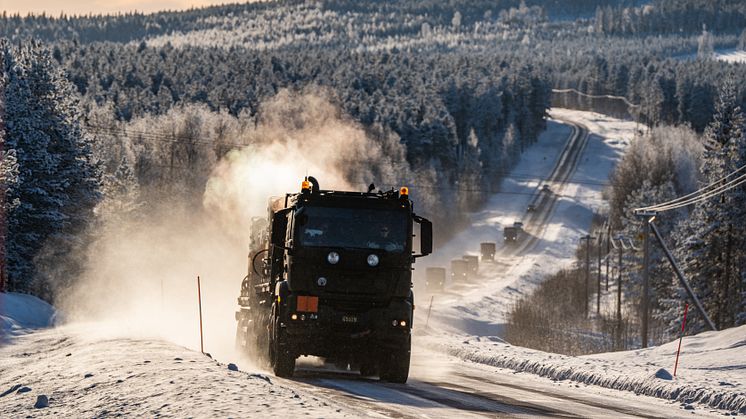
712,237
56,189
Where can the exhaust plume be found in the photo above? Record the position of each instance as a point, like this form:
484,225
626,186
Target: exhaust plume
141,272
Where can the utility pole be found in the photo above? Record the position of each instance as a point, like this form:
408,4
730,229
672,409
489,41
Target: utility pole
598,288
682,279
619,286
587,238
608,252
648,217
618,332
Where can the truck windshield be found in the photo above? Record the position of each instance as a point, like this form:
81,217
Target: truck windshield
353,228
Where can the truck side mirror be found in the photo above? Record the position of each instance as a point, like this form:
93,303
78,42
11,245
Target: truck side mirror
426,235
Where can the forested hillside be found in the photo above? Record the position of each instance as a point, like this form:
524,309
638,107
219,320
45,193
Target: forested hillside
446,93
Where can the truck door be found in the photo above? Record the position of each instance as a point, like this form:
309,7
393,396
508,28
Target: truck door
280,221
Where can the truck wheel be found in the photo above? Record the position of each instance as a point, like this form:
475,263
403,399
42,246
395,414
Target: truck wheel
395,365
241,344
368,368
283,362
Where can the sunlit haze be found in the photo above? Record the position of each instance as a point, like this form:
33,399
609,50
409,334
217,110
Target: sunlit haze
82,7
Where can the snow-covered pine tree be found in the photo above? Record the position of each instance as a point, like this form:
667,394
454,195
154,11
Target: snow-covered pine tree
8,165
711,239
57,186
734,200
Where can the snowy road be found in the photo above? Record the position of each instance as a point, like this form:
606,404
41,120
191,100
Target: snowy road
544,200
445,387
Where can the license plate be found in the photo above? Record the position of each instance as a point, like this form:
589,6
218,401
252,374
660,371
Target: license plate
349,319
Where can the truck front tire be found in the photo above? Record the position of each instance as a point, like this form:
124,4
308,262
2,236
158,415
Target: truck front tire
395,364
280,356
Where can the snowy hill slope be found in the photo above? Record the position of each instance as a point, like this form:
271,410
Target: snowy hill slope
86,374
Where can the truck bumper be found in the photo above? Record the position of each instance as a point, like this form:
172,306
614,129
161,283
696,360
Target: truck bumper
336,333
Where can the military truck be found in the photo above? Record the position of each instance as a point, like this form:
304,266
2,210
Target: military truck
510,235
435,279
330,275
488,251
472,264
459,270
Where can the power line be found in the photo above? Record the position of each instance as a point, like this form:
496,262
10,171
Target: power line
690,195
728,186
700,195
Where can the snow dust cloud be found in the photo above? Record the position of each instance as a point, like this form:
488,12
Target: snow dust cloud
141,274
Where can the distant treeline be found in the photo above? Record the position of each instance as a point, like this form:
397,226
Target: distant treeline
673,16
135,26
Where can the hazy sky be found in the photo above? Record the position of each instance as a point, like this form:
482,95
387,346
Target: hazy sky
55,7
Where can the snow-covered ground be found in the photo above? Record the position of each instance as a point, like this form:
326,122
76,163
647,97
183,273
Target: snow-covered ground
711,371
731,55
89,371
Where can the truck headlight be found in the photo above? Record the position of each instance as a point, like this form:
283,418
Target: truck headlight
372,260
332,257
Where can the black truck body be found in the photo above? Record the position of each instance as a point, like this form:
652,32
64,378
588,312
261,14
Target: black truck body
331,276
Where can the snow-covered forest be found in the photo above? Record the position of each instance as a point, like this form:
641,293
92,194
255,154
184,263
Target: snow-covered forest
104,115
541,137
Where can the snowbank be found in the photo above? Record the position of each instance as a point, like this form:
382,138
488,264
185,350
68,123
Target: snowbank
80,374
23,312
712,367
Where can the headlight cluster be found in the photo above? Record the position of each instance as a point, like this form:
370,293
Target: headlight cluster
372,260
333,258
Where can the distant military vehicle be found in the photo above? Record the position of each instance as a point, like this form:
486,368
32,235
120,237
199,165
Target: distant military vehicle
459,270
488,251
435,279
510,234
472,263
